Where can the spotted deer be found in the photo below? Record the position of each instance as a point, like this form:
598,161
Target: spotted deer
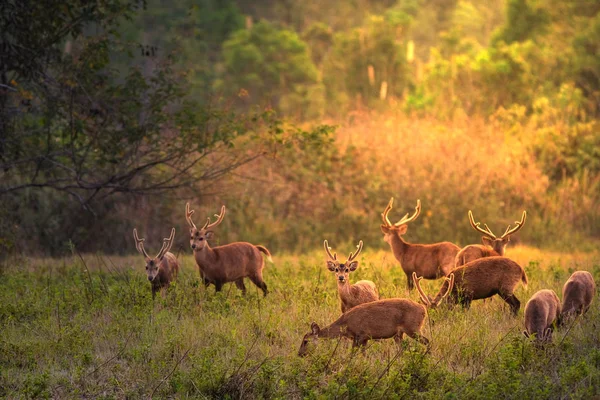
350,295
430,261
228,263
492,245
578,293
479,279
542,314
382,319
162,269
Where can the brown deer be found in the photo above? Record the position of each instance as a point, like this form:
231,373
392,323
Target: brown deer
492,245
578,293
162,269
542,313
382,319
229,263
350,295
431,261
479,279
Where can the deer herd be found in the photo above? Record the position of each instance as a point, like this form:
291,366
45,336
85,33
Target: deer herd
475,272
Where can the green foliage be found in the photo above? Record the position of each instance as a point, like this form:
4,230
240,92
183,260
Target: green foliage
524,20
271,65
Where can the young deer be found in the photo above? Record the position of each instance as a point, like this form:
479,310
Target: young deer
492,245
350,295
431,261
542,313
229,263
163,268
479,279
578,293
382,319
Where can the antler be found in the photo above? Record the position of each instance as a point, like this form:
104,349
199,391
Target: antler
188,215
167,244
516,228
487,231
328,250
405,220
422,294
352,256
220,217
450,286
139,244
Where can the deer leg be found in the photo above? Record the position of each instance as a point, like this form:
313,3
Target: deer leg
409,281
398,338
512,301
218,286
258,281
240,285
360,341
419,338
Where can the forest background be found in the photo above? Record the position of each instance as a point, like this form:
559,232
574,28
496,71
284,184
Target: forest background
302,117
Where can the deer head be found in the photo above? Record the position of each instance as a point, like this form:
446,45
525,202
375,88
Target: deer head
313,335
399,227
153,263
444,290
342,269
496,243
198,237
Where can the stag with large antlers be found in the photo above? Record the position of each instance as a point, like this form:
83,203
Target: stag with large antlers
479,279
383,319
162,269
431,261
229,263
350,295
492,245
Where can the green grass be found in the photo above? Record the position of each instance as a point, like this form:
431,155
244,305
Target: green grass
91,330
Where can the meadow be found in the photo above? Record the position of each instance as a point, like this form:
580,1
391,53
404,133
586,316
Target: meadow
86,327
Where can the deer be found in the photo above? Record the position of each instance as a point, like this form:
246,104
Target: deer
382,319
350,295
162,269
431,261
479,279
542,314
578,293
492,245
228,263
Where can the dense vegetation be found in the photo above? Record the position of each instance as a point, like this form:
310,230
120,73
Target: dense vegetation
302,117
87,328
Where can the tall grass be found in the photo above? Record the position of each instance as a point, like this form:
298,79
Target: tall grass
87,327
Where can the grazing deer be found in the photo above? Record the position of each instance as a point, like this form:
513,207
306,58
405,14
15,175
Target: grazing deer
229,263
479,279
542,313
578,293
431,261
492,245
163,268
382,319
350,295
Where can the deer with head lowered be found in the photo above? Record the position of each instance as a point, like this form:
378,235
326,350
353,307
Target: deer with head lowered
430,261
350,295
382,319
578,293
228,263
492,245
542,314
163,268
479,279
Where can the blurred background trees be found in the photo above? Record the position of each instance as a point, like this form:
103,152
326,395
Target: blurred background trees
113,113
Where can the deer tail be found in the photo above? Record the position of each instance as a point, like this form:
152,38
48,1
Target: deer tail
524,279
263,249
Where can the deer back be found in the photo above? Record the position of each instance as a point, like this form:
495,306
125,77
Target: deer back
430,261
486,277
541,312
229,262
578,292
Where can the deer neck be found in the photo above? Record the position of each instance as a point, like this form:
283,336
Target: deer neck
205,256
399,246
332,331
344,289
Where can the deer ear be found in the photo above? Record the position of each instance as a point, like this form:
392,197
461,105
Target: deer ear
353,265
315,328
402,229
487,241
385,229
331,266
209,234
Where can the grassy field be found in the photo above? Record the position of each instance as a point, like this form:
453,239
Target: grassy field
86,327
